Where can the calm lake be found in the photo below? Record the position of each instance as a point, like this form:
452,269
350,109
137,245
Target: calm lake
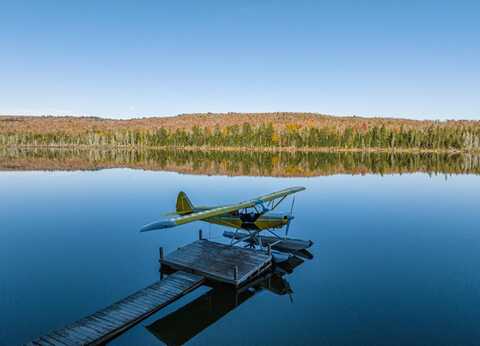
396,243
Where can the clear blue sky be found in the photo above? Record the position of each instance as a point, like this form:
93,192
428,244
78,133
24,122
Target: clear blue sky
418,59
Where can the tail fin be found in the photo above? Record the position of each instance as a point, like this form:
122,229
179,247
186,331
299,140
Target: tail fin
184,206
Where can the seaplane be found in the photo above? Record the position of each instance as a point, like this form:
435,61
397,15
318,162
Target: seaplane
248,218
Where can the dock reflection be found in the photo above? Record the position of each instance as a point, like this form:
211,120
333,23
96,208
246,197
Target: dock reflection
180,326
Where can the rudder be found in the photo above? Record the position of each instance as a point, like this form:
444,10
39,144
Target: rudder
184,205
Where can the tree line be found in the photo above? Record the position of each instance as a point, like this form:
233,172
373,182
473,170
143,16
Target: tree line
434,137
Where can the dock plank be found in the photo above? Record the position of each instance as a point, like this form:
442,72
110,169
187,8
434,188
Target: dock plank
216,261
111,321
49,342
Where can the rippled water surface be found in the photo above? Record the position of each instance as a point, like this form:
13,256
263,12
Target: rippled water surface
395,256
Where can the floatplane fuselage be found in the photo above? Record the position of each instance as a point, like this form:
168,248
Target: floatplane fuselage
250,220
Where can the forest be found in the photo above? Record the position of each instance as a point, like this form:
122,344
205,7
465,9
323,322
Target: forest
305,132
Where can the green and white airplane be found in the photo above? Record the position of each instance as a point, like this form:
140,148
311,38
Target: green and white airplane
253,216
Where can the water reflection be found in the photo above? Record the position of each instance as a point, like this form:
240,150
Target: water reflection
180,326
281,164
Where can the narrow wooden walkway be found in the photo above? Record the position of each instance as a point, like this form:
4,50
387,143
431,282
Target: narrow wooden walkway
115,319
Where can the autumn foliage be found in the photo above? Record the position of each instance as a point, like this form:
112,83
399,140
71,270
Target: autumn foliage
237,130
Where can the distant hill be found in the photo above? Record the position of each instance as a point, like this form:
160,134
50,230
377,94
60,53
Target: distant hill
74,124
246,130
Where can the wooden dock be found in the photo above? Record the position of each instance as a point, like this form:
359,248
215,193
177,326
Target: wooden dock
219,262
195,264
108,323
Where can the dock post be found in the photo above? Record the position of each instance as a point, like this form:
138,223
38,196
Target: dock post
235,273
200,234
162,255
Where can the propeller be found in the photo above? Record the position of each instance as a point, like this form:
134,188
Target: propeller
290,217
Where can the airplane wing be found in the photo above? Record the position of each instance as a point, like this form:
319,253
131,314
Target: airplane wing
202,215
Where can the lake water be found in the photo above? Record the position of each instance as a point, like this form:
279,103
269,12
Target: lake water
396,256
